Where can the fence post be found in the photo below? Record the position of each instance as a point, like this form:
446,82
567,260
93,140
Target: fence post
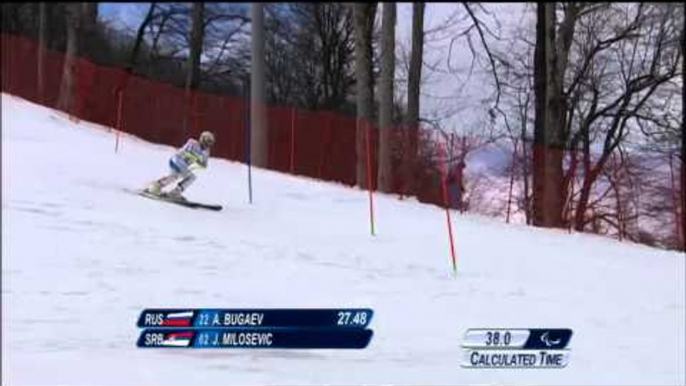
120,97
248,135
272,143
195,117
327,139
293,111
369,177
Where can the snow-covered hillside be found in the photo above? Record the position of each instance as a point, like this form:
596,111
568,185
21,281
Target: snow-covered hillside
81,258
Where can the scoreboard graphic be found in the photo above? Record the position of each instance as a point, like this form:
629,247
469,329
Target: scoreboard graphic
256,328
517,348
333,328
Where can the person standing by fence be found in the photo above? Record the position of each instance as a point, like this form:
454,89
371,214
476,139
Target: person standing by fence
455,182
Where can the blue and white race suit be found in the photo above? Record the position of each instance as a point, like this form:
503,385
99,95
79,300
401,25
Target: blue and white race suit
180,163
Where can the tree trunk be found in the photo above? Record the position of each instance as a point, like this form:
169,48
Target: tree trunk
197,32
541,53
363,15
683,140
193,63
8,15
42,41
89,14
386,97
584,196
591,175
139,38
72,15
525,165
89,19
550,58
258,127
413,89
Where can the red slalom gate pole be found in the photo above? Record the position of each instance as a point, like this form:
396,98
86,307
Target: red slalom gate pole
447,211
369,179
118,128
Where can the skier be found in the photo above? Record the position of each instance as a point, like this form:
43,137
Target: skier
455,181
193,152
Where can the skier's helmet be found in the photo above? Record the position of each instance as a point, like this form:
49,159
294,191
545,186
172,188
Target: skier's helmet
207,139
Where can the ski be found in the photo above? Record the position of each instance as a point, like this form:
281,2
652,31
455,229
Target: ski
186,203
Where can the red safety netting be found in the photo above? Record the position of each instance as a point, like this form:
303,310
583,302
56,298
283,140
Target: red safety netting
316,144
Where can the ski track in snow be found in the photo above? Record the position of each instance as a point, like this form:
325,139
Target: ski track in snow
82,257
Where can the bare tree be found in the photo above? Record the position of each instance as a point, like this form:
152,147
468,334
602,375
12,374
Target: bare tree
683,139
413,92
73,21
89,31
284,65
193,62
89,16
335,43
363,16
42,42
551,57
258,130
618,79
310,54
386,97
519,99
620,86
227,45
139,37
545,26
166,43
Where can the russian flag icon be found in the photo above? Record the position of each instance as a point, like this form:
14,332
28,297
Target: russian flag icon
178,319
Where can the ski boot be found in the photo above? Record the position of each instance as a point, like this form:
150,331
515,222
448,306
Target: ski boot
175,194
154,188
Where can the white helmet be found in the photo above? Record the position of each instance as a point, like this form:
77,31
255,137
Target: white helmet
207,139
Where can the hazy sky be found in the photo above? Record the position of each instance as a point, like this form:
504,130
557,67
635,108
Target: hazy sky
449,89
445,93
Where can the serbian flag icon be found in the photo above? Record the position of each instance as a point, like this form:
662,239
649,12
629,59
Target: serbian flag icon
178,319
177,339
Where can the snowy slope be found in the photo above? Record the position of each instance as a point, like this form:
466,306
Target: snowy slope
81,258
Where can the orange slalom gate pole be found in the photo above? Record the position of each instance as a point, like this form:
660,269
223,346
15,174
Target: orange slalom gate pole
447,211
118,128
369,180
